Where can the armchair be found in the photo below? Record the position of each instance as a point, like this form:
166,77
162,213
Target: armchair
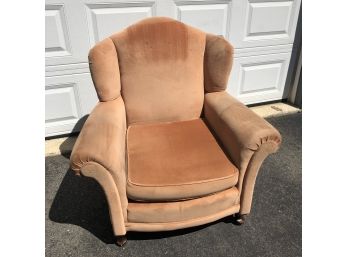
170,148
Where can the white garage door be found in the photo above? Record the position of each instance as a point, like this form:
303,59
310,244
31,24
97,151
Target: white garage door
262,32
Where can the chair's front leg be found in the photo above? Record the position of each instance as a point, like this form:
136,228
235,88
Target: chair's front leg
121,240
250,175
116,210
238,219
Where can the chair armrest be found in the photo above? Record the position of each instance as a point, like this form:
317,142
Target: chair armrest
240,130
102,138
101,149
247,138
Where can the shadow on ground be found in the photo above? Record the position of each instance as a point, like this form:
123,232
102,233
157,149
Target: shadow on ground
81,201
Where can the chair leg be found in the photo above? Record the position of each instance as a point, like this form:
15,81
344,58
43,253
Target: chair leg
239,219
121,240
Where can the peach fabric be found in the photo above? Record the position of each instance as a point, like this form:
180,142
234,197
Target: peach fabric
182,210
118,214
218,59
253,168
165,226
161,66
102,140
177,160
242,133
154,78
103,64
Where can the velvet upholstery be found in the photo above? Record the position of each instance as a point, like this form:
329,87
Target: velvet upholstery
118,215
170,148
103,63
197,221
241,132
160,212
175,161
161,62
218,59
102,140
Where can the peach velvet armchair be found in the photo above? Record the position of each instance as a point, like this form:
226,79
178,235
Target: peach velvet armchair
170,148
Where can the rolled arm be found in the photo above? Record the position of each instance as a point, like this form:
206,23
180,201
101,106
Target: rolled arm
102,138
101,144
240,130
247,138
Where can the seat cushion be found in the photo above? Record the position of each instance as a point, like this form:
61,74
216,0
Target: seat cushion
176,161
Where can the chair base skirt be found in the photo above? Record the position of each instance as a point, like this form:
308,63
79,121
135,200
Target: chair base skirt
182,214
153,227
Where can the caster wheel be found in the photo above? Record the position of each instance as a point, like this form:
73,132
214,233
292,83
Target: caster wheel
239,219
121,240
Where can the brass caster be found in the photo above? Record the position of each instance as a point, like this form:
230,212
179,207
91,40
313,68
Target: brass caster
239,219
121,240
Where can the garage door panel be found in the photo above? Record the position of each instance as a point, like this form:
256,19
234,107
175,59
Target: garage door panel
62,111
105,19
61,103
208,16
67,98
258,23
56,37
259,77
66,38
268,20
